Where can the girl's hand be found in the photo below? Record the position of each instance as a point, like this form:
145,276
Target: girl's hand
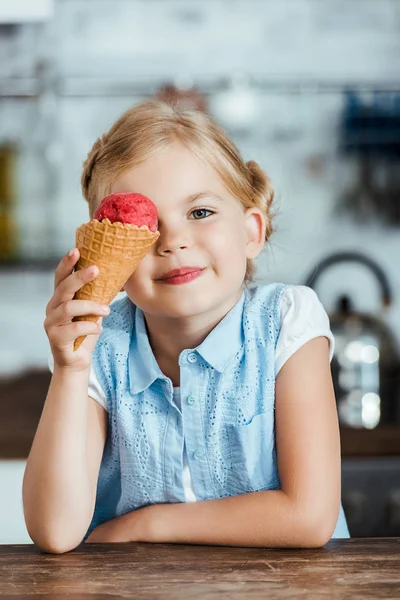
61,309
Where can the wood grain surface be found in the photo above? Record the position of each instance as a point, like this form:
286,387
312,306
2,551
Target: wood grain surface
356,569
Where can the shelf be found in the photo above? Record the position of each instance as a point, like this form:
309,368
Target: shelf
21,403
121,87
382,441
23,265
13,87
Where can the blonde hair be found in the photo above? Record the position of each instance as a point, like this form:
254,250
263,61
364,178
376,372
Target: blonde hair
144,130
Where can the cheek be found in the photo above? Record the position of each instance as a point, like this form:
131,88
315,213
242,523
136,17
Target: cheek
229,239
138,277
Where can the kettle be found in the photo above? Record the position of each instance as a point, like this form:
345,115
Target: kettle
366,364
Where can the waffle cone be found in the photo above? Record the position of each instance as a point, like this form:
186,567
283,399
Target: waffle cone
116,249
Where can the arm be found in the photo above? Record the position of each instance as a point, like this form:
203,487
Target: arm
304,512
60,479
59,485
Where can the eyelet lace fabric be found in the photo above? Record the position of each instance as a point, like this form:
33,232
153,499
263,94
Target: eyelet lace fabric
226,417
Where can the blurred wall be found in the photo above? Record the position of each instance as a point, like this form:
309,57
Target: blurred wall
106,54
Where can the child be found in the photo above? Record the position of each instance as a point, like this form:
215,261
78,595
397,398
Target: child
211,417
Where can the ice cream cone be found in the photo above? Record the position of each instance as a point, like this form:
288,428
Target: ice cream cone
116,249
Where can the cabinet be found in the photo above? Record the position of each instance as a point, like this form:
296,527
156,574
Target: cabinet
371,495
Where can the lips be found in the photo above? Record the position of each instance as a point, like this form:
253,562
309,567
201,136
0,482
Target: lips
180,272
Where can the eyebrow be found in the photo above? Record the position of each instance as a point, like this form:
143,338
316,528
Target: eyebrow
200,195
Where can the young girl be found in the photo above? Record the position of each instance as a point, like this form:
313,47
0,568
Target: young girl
203,412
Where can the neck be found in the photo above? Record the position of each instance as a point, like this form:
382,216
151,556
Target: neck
167,345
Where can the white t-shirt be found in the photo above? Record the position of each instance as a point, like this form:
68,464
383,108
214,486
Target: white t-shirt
303,318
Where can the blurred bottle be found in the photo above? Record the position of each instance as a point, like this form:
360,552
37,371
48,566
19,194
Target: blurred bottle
9,238
38,171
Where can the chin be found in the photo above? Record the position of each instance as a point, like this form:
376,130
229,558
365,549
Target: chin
185,308
177,307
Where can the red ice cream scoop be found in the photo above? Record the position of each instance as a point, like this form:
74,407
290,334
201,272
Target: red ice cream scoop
128,207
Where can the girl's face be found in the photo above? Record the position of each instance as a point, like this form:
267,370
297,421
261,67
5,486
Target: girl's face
201,226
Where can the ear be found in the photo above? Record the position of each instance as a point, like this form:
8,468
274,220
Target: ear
255,231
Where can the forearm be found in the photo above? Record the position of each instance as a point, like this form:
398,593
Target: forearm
57,496
268,518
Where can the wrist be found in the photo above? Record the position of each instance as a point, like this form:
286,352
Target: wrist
64,372
140,525
155,524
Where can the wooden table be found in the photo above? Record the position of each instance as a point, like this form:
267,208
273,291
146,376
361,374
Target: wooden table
356,569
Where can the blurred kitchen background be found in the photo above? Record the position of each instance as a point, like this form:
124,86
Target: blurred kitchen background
309,89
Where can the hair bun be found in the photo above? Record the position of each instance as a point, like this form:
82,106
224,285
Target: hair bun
261,183
263,193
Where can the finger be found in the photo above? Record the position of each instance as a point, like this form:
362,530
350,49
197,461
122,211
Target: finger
69,286
65,266
66,311
65,334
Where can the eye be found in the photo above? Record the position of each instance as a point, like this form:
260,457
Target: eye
199,213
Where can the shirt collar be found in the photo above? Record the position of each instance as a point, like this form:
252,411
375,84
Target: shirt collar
225,340
143,367
221,344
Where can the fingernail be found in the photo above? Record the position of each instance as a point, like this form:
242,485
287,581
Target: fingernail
92,270
105,309
70,253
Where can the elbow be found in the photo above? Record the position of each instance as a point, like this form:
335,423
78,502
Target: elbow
316,525
317,531
316,537
51,540
53,545
50,537
48,540
54,548
59,549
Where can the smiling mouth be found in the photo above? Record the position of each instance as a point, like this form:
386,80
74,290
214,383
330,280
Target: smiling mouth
183,278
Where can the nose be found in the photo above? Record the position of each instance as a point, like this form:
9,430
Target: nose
171,240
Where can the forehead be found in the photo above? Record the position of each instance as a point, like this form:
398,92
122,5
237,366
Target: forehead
174,173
